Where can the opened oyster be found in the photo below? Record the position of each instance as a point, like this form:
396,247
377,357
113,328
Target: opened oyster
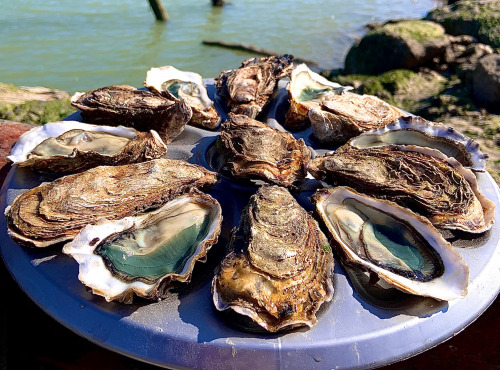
57,211
306,90
255,150
418,131
249,88
125,105
422,179
71,146
281,269
176,85
146,254
393,243
342,117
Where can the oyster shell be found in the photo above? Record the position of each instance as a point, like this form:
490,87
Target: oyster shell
71,146
57,211
175,85
249,88
148,253
392,242
342,117
254,150
306,90
143,110
422,179
418,131
281,269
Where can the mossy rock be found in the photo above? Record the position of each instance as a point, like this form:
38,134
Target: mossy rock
478,18
394,45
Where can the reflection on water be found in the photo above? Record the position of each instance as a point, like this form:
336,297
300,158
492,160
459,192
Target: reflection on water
88,44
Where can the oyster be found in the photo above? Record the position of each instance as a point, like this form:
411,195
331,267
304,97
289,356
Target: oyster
306,90
342,117
146,254
71,146
249,88
57,211
255,150
176,85
393,243
418,131
125,105
422,179
281,269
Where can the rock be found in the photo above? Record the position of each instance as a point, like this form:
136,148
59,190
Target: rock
479,18
402,44
486,82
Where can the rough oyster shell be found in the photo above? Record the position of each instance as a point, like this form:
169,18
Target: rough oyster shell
146,254
254,150
306,90
249,88
125,105
71,146
281,269
176,84
418,131
415,259
342,117
57,211
422,179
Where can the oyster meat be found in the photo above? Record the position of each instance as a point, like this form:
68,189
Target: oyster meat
57,211
344,116
393,243
306,90
439,188
254,150
281,269
249,88
143,110
147,254
175,85
71,146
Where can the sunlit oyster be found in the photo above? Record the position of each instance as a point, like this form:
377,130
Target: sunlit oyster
175,85
281,269
71,146
249,88
393,243
418,131
57,211
347,115
125,105
306,90
422,179
146,254
254,150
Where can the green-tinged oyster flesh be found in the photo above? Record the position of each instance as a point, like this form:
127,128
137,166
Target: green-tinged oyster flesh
281,269
393,243
146,254
57,211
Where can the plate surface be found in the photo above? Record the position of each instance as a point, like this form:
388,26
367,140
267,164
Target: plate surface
185,330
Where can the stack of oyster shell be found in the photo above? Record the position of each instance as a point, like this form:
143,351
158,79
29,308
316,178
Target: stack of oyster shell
136,222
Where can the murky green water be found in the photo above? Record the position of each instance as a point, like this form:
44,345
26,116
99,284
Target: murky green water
88,44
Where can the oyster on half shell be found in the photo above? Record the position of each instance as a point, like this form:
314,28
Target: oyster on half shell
71,146
57,211
143,110
147,254
176,85
393,243
281,269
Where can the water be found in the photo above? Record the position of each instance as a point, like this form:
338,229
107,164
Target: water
89,44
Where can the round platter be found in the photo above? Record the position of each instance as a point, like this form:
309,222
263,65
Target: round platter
185,330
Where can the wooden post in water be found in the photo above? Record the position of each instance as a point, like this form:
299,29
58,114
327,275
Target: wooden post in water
159,10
